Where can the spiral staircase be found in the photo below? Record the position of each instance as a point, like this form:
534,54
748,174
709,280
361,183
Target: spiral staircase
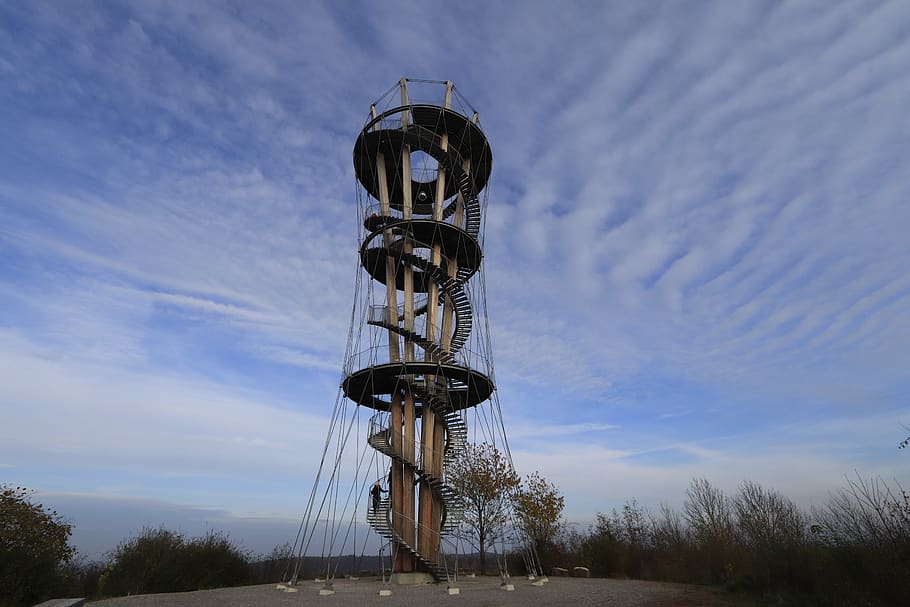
424,236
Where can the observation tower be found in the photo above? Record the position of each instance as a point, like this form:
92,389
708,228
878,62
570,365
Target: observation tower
417,384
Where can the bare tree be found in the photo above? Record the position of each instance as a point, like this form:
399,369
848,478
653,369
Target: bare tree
766,518
709,513
867,512
668,529
485,479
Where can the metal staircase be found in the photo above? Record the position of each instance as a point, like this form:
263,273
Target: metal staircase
453,506
380,520
452,288
435,351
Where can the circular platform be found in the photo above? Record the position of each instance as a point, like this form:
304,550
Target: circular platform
364,385
455,243
423,132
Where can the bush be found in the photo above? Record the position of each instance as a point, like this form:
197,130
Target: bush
758,541
276,567
865,529
33,549
160,560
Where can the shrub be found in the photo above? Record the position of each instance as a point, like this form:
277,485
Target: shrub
276,567
160,560
865,528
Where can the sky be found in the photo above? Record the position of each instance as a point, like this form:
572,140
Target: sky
695,246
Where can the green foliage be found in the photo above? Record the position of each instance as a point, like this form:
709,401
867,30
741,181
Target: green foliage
161,560
33,548
485,479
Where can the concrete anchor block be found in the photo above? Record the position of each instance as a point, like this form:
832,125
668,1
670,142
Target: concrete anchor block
385,592
454,590
508,587
326,592
581,572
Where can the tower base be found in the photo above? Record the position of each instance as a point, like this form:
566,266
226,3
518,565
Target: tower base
412,579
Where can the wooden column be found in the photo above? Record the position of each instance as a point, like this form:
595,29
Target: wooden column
426,541
432,427
390,277
407,506
436,511
408,510
404,561
407,205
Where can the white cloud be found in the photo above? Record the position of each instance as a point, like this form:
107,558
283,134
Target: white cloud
691,207
549,431
69,411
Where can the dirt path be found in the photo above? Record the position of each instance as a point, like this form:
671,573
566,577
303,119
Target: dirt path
472,592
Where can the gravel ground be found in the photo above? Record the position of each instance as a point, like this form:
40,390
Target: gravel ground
473,592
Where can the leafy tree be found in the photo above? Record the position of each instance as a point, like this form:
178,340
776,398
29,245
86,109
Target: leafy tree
33,548
485,479
538,506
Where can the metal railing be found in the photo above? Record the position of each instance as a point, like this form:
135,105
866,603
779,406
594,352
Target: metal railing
380,429
379,355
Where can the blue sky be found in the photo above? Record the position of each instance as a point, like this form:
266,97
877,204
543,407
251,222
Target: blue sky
696,244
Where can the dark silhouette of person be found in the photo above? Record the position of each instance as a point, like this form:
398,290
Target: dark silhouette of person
375,494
